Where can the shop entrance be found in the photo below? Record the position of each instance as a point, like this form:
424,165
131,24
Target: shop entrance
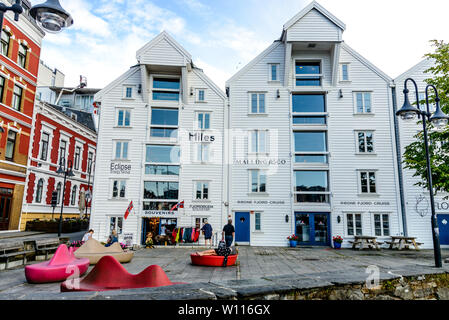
443,225
5,207
159,228
313,228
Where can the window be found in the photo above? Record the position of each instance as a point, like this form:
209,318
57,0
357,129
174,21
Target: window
118,189
308,120
308,103
121,150
202,154
58,190
311,147
308,73
422,102
6,37
365,142
17,98
39,191
354,224
258,103
159,205
258,181
123,118
128,92
90,157
164,123
200,95
273,72
363,101
368,182
162,170
203,120
161,190
381,225
202,190
116,223
22,57
158,156
344,72
166,89
2,88
10,145
311,187
77,157
73,197
257,221
258,139
62,151
44,146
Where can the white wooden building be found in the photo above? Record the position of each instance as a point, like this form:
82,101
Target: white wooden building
318,157
160,142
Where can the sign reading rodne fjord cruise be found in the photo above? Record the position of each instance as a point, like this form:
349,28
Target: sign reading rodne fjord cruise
120,168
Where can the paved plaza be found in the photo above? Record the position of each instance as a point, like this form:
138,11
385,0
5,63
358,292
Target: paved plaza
253,263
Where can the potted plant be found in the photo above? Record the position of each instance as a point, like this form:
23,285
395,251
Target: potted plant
293,240
337,242
76,244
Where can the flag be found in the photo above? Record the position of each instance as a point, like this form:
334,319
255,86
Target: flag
178,205
128,211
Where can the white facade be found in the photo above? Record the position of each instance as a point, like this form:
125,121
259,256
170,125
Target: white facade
139,110
342,196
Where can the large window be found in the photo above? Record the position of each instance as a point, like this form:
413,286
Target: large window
73,197
22,57
311,187
123,118
77,157
201,190
166,89
159,205
363,102
119,189
354,224
308,73
258,141
368,182
258,181
2,88
158,159
381,225
161,190
44,146
365,142
17,98
310,147
258,103
121,150
164,123
6,37
10,145
39,191
90,157
308,103
116,223
62,151
203,152
59,190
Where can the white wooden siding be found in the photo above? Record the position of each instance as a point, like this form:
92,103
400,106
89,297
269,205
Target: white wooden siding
314,27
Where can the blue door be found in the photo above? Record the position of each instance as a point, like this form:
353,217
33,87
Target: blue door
313,228
242,227
443,225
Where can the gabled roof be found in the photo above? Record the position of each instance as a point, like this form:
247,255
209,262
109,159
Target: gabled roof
315,5
209,82
426,63
164,36
116,82
82,117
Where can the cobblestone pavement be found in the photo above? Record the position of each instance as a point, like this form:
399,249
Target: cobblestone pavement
253,263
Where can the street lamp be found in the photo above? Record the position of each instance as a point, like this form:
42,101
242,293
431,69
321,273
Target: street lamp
89,193
67,172
49,15
439,119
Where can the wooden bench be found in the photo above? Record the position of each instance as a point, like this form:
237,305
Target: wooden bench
47,245
10,250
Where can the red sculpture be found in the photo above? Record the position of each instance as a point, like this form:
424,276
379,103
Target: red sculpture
59,268
212,261
109,274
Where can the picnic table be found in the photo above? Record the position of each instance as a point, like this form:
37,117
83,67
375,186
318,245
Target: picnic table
365,242
400,243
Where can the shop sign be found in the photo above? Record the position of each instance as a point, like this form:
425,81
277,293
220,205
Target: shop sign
160,213
261,202
365,203
119,168
422,205
267,162
128,239
201,137
201,207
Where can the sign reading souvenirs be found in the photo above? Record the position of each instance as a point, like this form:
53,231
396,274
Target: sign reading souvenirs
271,162
159,213
259,202
201,137
365,203
119,168
201,207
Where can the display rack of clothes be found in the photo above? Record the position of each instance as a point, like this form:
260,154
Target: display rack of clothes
185,235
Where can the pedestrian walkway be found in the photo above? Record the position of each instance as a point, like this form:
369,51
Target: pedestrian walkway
34,235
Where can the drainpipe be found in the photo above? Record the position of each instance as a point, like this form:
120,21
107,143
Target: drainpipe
399,162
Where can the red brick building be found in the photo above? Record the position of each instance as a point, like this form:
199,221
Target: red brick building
19,62
59,134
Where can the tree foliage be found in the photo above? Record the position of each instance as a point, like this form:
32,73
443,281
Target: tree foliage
415,156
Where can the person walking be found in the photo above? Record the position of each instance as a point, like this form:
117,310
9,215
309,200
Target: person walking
207,231
228,233
88,235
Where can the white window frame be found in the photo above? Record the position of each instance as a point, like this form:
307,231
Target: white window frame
346,219
117,218
359,175
67,145
119,184
162,126
179,91
197,95
76,194
125,110
256,213
356,111
366,145
259,173
258,93
197,113
41,144
44,185
347,64
80,159
381,214
125,89
270,72
202,183
121,158
305,76
326,193
201,150
258,144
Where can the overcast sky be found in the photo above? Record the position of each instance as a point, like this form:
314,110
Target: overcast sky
224,35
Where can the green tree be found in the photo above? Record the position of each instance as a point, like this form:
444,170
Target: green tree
415,156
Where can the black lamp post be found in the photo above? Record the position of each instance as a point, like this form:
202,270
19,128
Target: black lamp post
439,119
49,15
67,172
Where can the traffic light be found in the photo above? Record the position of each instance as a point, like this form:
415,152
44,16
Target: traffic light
54,198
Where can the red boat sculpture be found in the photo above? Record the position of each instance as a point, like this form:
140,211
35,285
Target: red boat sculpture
212,261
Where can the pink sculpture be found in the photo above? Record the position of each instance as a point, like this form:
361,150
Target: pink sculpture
59,268
109,274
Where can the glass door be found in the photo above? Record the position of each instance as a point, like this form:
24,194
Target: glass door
313,228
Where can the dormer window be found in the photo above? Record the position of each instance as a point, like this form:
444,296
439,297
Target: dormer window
22,59
5,40
308,73
166,88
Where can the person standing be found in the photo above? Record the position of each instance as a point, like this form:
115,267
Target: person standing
88,235
207,231
228,233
